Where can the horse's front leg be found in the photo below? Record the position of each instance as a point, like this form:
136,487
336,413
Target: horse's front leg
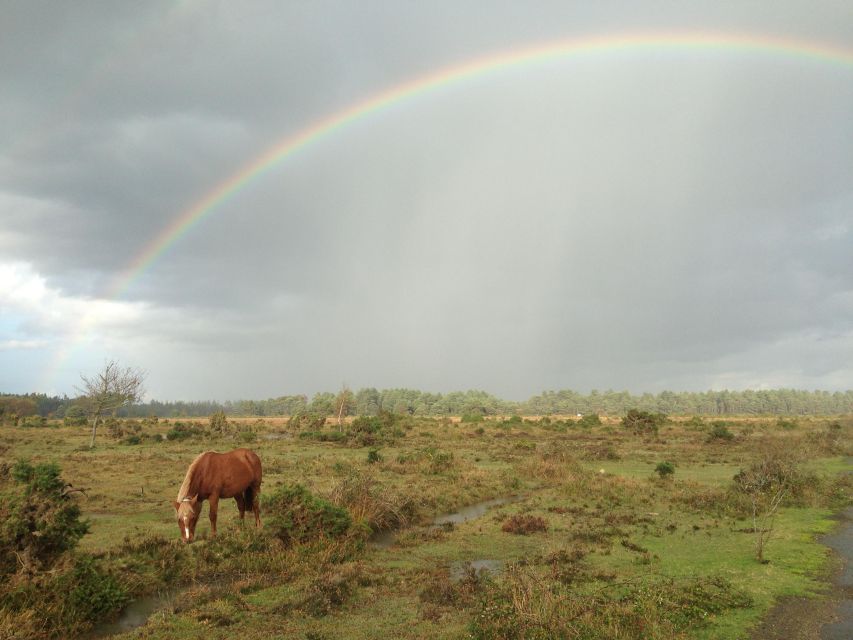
214,506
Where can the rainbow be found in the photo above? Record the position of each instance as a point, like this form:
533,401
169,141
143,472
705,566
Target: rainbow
290,145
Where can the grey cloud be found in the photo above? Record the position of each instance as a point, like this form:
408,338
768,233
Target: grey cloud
622,220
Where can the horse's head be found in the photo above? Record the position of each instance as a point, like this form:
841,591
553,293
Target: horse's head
187,511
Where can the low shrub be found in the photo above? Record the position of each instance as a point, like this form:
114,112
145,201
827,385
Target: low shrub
39,520
186,430
643,422
665,469
720,432
75,416
372,503
523,605
295,515
589,420
524,525
306,421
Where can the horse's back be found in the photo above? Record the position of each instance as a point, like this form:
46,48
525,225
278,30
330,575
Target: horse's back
230,473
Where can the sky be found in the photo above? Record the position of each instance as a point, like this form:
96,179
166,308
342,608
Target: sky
657,215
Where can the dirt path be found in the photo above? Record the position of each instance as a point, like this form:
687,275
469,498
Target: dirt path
819,619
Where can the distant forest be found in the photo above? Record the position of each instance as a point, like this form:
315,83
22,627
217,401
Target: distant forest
371,401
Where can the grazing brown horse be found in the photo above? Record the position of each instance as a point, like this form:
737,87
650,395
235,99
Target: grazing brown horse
236,474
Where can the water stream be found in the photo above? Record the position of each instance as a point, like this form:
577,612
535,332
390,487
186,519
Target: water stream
385,538
841,541
134,615
137,612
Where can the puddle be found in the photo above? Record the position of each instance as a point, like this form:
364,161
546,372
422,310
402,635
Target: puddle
384,539
841,541
459,569
132,616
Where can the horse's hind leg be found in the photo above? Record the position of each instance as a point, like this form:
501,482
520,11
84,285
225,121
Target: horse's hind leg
255,502
241,505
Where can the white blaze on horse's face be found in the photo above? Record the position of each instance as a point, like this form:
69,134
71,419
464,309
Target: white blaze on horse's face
187,518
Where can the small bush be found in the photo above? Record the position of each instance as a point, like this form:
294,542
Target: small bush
306,421
524,525
38,523
589,420
75,416
665,469
185,431
373,456
219,423
472,417
295,515
720,433
643,422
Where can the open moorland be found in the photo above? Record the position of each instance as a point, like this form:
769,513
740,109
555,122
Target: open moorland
401,527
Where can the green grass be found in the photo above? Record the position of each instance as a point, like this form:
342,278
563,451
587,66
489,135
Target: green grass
130,491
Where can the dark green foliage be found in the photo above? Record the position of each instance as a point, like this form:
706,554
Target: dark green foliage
513,419
472,417
69,598
720,432
75,416
643,421
38,521
787,425
307,421
369,430
589,420
373,456
186,430
294,514
91,592
665,469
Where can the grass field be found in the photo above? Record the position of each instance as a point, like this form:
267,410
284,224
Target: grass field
598,546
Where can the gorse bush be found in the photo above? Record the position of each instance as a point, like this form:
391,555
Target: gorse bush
186,430
665,469
589,420
307,421
295,515
641,422
46,590
39,521
75,416
720,432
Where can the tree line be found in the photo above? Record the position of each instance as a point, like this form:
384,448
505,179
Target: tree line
371,401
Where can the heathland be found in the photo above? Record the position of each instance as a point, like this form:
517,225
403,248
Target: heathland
640,526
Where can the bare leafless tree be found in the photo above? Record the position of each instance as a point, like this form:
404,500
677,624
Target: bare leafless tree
109,389
767,482
343,403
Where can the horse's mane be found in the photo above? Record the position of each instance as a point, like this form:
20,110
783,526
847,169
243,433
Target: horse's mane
183,492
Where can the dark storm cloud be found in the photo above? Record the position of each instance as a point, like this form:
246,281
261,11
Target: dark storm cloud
624,220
